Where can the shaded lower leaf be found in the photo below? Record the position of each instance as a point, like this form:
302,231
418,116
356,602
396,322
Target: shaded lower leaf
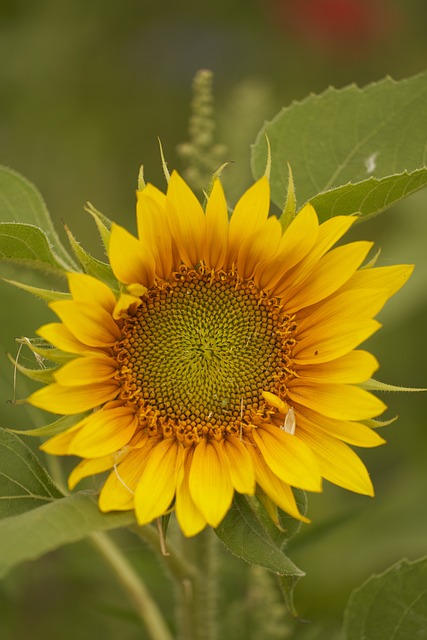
24,483
247,537
30,535
392,605
289,524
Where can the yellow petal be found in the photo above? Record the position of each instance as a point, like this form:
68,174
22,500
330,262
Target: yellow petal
210,483
277,490
157,485
339,401
258,247
59,444
90,324
57,334
186,220
298,239
288,458
86,370
215,242
353,433
189,517
342,308
85,288
153,229
331,272
250,213
323,347
390,279
275,401
119,489
87,468
70,400
124,303
131,259
104,433
351,368
155,194
339,464
240,465
329,233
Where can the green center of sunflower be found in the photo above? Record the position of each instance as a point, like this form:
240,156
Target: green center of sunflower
198,353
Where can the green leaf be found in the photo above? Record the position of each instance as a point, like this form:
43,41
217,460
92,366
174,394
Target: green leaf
20,201
369,196
42,374
392,605
52,429
247,538
376,385
32,534
47,295
24,483
45,350
361,149
92,266
102,222
27,245
247,533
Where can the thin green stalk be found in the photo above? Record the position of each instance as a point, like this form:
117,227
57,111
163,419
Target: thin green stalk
183,573
132,583
177,565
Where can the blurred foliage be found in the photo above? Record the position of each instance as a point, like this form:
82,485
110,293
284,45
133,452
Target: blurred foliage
86,88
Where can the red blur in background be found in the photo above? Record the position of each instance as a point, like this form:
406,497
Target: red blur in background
346,26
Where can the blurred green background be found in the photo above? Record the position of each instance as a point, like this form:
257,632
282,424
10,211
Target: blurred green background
86,88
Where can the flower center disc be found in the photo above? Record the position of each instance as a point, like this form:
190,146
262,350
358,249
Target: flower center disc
198,353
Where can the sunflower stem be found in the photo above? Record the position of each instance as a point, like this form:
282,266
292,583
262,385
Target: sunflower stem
203,552
132,583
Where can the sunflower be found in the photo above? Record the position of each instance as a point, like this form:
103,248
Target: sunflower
228,362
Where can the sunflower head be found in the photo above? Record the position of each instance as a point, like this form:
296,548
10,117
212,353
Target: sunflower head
227,362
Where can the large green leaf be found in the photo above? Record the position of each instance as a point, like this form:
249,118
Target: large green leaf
362,149
32,534
24,484
392,605
21,202
27,245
